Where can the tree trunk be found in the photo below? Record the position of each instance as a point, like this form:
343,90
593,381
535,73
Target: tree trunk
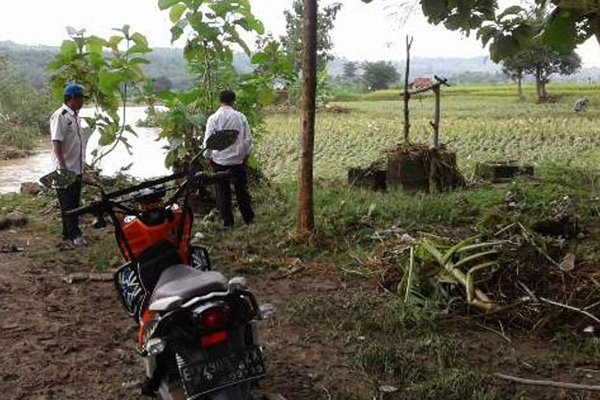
307,136
540,86
520,84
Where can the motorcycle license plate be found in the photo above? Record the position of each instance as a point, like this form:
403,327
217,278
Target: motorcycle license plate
204,377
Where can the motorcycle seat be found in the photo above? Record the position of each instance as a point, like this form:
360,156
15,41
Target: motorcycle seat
186,282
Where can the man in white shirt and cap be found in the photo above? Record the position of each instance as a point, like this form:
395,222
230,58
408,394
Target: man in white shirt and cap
232,159
68,154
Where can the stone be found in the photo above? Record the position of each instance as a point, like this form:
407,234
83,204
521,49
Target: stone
31,188
502,171
17,219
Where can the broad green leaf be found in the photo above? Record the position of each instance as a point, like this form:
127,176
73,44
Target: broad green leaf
258,58
139,60
486,33
236,38
95,44
68,48
166,95
138,48
503,47
164,4
513,10
561,33
139,39
176,12
108,82
114,42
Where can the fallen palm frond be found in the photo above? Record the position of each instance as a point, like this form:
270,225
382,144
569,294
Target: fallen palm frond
461,256
457,265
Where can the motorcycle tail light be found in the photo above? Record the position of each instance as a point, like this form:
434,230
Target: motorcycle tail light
214,318
213,338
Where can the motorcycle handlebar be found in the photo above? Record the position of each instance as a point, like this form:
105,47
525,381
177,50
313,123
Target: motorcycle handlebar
202,177
208,178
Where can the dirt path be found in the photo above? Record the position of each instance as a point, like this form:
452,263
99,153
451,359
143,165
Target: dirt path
64,341
73,341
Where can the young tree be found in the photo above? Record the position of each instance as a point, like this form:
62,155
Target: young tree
350,69
514,67
306,218
292,41
379,75
542,62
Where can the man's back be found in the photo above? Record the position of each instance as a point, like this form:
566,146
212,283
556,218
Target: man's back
226,118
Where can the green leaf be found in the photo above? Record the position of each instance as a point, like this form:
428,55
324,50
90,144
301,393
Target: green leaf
95,44
164,4
561,33
204,30
114,42
513,10
108,82
107,136
236,38
138,48
486,33
178,29
139,39
177,11
139,60
68,48
258,58
504,47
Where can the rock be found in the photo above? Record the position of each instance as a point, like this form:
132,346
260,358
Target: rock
31,188
5,223
568,263
386,389
17,219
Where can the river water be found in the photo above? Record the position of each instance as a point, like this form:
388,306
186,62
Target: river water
147,158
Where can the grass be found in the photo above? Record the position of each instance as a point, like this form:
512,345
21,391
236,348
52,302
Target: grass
18,136
479,128
420,348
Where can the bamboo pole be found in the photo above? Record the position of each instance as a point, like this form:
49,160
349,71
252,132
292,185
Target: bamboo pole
409,42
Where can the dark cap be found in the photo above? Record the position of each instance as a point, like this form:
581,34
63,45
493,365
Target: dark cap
74,90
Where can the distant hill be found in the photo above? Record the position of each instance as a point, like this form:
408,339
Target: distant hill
169,63
31,61
464,70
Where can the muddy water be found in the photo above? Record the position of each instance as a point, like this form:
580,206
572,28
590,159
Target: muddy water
147,158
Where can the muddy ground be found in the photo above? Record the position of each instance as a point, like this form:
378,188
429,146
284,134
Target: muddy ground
62,341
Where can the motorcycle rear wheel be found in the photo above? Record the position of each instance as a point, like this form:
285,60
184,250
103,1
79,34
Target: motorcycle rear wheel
174,391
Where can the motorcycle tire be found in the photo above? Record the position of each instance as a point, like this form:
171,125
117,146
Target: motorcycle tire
174,391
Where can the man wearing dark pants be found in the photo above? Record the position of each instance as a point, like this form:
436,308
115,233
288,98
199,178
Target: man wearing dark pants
68,154
232,159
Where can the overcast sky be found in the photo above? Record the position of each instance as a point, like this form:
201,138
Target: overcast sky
363,32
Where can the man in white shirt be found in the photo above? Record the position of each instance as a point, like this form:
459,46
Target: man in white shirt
68,154
232,159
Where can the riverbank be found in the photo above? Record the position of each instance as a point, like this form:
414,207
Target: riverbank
343,328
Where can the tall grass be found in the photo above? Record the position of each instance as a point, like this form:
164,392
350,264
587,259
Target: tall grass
18,136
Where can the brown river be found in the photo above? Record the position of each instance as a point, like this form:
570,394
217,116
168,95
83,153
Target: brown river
147,158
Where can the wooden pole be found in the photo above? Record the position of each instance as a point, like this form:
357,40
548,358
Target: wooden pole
409,42
307,136
436,117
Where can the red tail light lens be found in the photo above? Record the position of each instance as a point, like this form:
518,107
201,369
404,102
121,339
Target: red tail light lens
214,318
214,338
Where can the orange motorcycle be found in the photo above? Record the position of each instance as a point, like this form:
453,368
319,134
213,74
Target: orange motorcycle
198,331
